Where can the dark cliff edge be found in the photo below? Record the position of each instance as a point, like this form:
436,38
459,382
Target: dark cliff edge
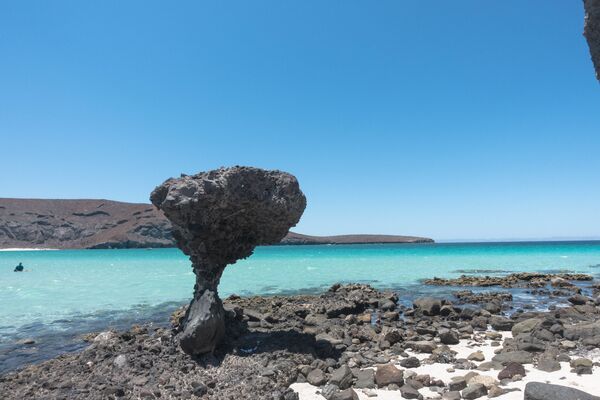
104,224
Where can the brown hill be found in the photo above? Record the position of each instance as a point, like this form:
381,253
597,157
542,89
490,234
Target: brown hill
88,224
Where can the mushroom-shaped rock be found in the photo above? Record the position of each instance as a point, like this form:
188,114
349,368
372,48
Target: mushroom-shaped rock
219,217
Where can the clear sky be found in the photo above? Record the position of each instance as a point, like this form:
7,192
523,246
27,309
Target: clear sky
453,120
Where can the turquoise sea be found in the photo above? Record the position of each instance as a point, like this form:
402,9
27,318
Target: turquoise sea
65,293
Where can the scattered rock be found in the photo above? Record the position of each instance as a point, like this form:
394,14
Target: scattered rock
511,369
474,391
545,391
388,374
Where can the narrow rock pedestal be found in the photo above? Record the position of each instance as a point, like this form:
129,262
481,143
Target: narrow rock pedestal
219,217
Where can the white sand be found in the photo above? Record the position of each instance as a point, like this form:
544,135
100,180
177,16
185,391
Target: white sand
25,249
587,383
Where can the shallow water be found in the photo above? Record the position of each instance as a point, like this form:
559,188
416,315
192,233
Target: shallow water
65,293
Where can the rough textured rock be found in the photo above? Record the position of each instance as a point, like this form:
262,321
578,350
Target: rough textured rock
388,374
592,31
219,217
511,370
545,391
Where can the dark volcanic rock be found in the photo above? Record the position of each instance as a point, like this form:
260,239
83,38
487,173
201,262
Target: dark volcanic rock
388,374
545,391
428,305
592,31
511,370
219,217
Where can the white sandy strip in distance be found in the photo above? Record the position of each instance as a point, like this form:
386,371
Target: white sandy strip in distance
26,249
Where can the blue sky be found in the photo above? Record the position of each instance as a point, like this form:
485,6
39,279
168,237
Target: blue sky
453,120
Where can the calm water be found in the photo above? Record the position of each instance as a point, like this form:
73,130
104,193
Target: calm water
68,292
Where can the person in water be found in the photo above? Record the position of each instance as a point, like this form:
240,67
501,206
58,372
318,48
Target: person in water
19,268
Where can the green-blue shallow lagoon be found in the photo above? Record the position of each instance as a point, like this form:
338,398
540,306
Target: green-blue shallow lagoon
68,292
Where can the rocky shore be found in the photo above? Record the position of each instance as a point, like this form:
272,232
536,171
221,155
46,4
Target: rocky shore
352,342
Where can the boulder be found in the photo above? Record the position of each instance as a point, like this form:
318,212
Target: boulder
500,323
388,374
511,369
545,391
316,377
584,330
474,391
519,356
428,305
365,379
410,362
342,377
423,346
525,326
578,300
219,217
548,365
409,392
449,336
346,394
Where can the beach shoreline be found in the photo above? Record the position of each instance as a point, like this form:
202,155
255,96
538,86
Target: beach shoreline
27,249
315,347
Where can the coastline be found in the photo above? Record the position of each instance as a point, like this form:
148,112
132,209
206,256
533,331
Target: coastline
327,346
26,249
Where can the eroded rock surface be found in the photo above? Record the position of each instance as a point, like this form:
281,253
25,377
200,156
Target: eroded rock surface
592,31
218,218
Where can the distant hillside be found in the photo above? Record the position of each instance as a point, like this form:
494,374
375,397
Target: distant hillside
89,224
297,238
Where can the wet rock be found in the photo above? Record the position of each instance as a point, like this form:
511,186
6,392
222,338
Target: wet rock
219,217
428,305
545,391
578,299
388,374
501,323
511,370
